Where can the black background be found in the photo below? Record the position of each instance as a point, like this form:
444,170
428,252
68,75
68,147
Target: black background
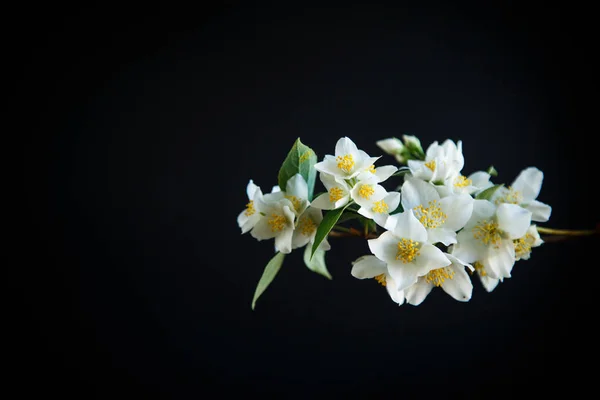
142,128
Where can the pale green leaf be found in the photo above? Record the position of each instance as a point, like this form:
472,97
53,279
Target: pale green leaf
300,159
317,262
489,192
268,275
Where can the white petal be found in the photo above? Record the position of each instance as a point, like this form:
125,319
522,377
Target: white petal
344,146
480,179
489,283
328,180
468,249
419,170
385,247
275,189
529,183
390,146
460,286
513,220
540,212
396,295
322,202
416,192
482,209
378,193
434,150
392,199
251,189
368,267
416,293
430,258
262,230
458,210
409,227
296,186
404,275
283,241
329,166
500,260
384,172
441,235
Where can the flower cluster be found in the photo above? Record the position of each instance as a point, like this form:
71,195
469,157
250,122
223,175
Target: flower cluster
437,228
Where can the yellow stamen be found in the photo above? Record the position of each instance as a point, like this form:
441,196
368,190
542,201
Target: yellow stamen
277,222
408,250
366,191
380,207
523,245
432,216
381,279
462,181
250,208
296,202
307,226
430,165
488,232
479,268
371,169
335,193
345,163
512,196
438,276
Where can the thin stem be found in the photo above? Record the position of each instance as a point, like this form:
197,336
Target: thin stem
566,232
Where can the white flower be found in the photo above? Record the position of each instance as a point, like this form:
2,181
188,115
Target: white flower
378,174
367,267
276,221
249,217
411,148
488,236
348,161
442,217
296,192
458,184
524,192
453,279
441,162
338,193
378,206
306,228
405,250
391,146
522,247
524,244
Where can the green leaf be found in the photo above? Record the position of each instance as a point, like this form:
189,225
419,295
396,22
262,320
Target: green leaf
317,262
492,171
300,159
401,171
329,220
347,216
489,192
268,275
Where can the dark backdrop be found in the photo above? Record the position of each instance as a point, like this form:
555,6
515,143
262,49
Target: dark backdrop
142,132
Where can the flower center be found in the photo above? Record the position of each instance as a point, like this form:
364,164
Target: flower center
307,226
479,268
250,208
432,216
381,279
380,207
488,232
430,164
408,250
276,222
523,245
438,276
371,169
366,191
345,163
335,193
296,202
512,196
462,181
